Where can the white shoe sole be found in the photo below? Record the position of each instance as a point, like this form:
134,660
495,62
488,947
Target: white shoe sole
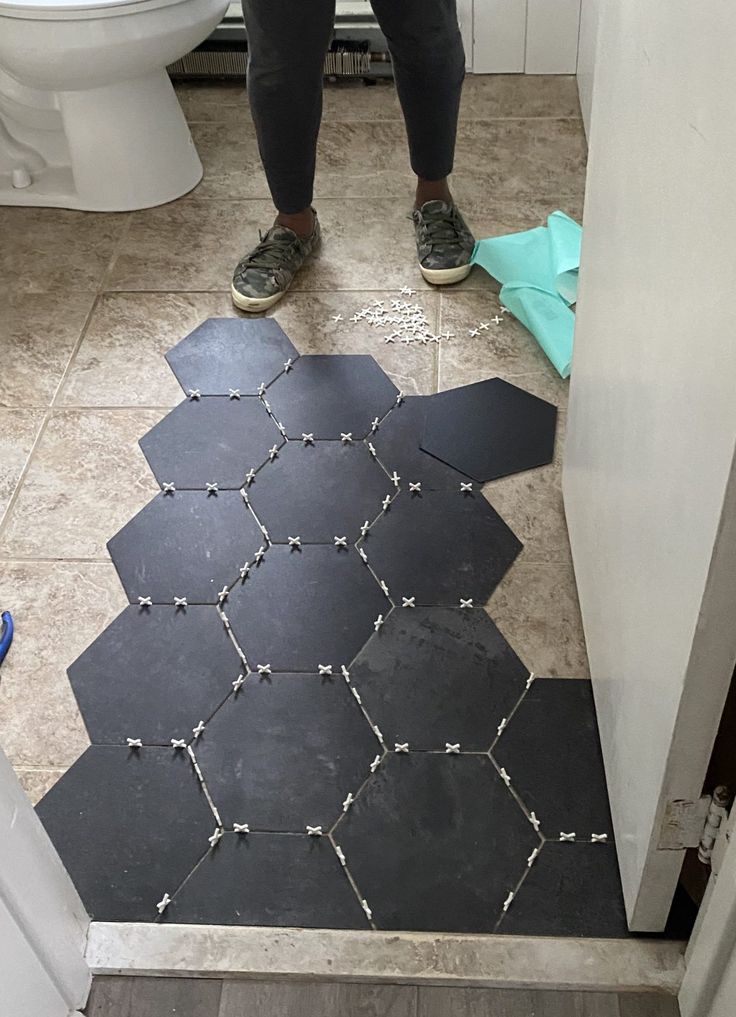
254,304
445,276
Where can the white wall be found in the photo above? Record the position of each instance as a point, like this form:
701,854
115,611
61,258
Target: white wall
652,420
589,14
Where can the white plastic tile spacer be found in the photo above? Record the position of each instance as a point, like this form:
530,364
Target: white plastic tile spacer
337,318
288,364
134,743
168,488
401,747
273,453
534,821
598,838
340,854
408,601
378,623
250,477
345,673
567,836
473,332
308,439
504,310
314,831
264,668
371,449
368,912
466,603
348,802
452,748
282,430
295,541
386,503
262,389
375,764
384,588
532,857
244,570
258,556
145,602
223,594
389,339
324,668
395,478
505,777
501,726
241,828
364,528
356,694
507,902
212,488
233,393
266,403
180,602
464,487
374,425
346,438
163,903
340,541
238,683
415,488
178,743
194,393
197,731
215,837
496,320
530,680
484,326
363,555
377,732
399,398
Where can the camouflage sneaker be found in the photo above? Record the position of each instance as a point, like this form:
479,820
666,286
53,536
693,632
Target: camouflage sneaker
444,242
263,276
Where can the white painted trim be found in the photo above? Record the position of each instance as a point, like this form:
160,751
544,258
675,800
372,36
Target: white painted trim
38,894
499,34
465,19
224,951
552,28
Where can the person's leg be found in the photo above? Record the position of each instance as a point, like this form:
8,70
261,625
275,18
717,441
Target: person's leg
429,68
287,42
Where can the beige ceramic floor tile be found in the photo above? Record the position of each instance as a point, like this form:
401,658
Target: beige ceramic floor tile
531,504
38,332
536,608
46,250
36,783
58,608
18,430
204,101
86,479
229,153
121,361
307,320
519,95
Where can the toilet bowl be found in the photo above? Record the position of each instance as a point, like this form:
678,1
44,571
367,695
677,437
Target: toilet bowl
88,116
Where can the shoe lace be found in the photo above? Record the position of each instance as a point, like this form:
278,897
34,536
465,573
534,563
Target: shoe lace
440,230
271,252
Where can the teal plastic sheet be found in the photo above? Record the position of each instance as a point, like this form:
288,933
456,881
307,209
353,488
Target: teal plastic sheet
538,270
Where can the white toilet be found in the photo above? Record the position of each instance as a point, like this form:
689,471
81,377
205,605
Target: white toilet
88,116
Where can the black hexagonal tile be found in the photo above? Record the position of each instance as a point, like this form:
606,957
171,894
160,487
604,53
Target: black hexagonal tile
441,547
153,674
211,440
435,843
319,492
269,879
570,890
332,395
224,354
284,753
397,443
302,608
439,675
129,825
187,544
552,753
490,429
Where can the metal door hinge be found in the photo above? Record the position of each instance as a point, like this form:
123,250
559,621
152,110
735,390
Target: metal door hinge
694,824
726,831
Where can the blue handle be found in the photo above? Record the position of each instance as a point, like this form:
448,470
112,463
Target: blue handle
6,634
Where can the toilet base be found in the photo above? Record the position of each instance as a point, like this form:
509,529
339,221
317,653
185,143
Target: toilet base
129,148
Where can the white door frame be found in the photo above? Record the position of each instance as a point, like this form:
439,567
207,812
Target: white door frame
43,920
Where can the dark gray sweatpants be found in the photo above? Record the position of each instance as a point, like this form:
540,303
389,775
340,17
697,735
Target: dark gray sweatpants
287,41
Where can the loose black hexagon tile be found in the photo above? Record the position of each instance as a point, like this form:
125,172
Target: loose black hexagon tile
284,753
328,396
130,825
490,429
435,843
303,608
269,879
441,548
439,675
319,492
552,753
238,354
186,544
397,444
153,674
211,440
570,890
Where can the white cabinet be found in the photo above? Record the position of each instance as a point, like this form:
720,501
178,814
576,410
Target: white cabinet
525,36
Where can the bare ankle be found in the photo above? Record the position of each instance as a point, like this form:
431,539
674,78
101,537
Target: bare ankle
432,190
302,223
